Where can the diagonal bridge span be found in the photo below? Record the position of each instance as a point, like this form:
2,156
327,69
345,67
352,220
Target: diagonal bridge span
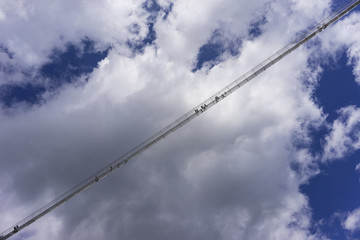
183,120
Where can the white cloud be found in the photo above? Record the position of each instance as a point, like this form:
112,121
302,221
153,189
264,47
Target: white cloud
352,221
31,30
345,134
226,175
191,24
345,34
357,168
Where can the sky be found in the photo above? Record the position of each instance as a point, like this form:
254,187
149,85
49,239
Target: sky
82,82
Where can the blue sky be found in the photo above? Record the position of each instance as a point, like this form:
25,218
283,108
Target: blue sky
279,159
336,189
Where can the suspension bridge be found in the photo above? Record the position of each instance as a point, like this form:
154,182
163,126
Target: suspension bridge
183,120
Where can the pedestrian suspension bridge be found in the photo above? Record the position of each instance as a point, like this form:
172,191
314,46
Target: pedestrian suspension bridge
180,122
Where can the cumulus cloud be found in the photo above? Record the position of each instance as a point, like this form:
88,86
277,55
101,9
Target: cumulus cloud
357,168
345,35
352,221
345,134
31,30
226,175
